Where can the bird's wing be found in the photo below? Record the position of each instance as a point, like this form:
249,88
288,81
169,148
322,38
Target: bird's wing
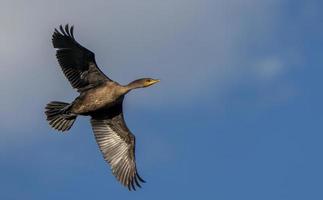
117,145
77,62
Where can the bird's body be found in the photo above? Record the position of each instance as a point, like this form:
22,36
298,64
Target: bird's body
100,98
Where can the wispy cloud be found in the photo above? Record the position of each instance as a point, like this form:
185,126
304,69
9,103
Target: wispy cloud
269,68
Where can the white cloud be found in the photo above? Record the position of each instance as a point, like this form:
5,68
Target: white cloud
270,68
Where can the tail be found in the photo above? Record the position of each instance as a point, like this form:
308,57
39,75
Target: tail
58,117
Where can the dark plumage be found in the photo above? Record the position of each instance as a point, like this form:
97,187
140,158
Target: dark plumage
100,98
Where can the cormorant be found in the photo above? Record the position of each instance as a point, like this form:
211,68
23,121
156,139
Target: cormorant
100,98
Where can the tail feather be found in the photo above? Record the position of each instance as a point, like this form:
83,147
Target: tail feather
58,117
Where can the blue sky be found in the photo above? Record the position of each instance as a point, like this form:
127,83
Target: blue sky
237,114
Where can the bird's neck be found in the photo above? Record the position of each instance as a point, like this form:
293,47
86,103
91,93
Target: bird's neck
133,85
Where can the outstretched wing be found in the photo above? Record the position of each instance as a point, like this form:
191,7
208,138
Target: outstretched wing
77,62
117,145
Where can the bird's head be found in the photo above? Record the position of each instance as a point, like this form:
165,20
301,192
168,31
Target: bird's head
142,83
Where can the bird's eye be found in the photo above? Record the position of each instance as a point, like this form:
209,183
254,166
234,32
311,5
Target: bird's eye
148,81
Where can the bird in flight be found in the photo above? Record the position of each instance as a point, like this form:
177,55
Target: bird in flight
100,98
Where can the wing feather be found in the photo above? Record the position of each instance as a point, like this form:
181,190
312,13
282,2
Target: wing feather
77,63
117,144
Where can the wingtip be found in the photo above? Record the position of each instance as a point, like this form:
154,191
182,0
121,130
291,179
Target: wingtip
141,179
133,186
72,31
67,30
134,183
137,182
